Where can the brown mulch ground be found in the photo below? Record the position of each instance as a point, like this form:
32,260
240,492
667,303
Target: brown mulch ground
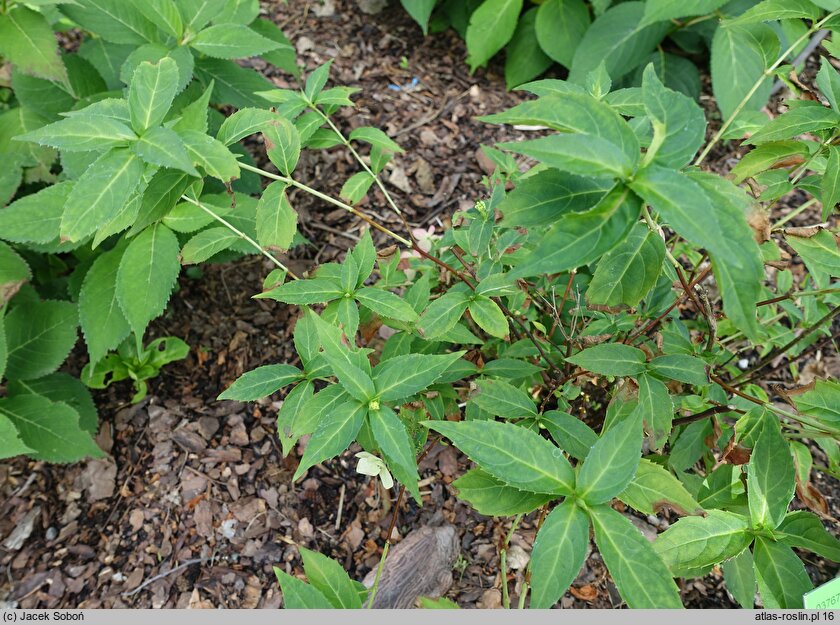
201,486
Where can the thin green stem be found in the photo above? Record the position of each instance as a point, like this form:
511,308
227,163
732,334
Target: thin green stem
378,577
329,200
803,207
503,560
240,234
767,73
503,573
357,156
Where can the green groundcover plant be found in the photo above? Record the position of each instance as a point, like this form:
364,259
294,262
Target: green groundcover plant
592,334
617,281
114,133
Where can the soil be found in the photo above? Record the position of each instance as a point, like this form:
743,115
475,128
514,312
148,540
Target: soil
194,505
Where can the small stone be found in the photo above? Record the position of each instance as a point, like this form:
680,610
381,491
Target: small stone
208,426
517,557
490,600
136,519
305,528
239,436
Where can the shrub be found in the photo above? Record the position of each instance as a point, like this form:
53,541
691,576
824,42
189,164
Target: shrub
592,322
98,147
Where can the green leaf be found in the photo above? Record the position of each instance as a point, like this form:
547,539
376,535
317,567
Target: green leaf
163,13
654,488
540,199
579,238
39,336
492,497
62,387
740,56
316,81
376,138
206,244
82,133
502,399
611,463
356,187
211,155
353,379
305,292
231,41
4,349
767,156
113,20
773,10
327,576
152,89
570,433
282,144
28,42
103,324
420,11
11,445
403,376
782,578
284,56
560,26
656,409
517,456
14,272
146,276
697,542
298,595
232,84
385,304
290,415
684,368
558,554
261,382
580,154
276,219
35,218
739,575
397,448
525,58
610,359
679,124
664,10
162,146
711,212
805,530
771,478
636,569
830,186
243,123
491,26
153,53
800,120
822,402
820,253
620,39
100,193
625,274
443,314
333,434
489,317
828,82
50,429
